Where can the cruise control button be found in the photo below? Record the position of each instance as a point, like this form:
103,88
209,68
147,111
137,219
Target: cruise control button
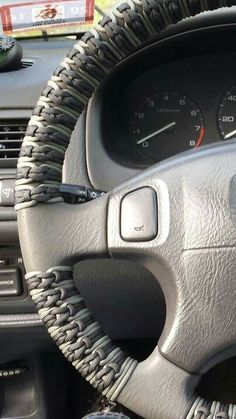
139,215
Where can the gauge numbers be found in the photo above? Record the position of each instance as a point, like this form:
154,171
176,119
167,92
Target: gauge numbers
227,115
166,124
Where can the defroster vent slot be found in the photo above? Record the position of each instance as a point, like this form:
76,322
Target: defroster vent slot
12,132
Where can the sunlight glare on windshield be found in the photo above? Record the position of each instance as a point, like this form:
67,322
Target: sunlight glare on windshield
31,18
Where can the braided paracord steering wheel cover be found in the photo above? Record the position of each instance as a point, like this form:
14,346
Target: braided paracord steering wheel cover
39,174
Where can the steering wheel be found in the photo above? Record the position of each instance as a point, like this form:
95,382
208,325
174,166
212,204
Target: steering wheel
177,218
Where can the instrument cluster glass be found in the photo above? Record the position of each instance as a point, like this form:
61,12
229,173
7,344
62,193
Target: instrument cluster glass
167,123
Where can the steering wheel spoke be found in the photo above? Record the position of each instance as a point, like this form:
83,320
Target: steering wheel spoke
63,233
160,389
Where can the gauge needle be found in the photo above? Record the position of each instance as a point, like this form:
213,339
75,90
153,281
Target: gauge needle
230,134
172,124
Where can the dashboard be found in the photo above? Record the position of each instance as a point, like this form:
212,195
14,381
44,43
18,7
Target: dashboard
177,94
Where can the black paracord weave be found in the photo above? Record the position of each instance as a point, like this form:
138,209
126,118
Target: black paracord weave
77,334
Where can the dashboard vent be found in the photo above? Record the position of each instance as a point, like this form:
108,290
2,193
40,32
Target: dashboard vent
12,133
26,62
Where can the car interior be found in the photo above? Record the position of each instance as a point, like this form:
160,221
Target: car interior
118,215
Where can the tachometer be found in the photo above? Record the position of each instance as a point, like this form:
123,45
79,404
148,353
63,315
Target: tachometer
227,115
166,124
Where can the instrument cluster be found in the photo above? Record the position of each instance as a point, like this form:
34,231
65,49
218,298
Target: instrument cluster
166,123
174,107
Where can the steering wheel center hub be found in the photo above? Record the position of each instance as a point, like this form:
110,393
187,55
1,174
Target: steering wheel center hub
193,255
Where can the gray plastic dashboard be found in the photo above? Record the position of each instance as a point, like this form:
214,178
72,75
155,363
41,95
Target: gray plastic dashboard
130,303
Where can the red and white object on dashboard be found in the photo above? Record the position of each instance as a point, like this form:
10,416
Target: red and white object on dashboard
45,15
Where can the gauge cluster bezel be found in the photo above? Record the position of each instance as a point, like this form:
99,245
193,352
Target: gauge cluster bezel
107,142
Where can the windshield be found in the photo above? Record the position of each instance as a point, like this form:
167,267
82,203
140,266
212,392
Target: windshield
33,18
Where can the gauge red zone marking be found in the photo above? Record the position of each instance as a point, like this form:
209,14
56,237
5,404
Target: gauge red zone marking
200,138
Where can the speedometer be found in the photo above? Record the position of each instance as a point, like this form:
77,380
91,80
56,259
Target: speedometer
166,124
227,115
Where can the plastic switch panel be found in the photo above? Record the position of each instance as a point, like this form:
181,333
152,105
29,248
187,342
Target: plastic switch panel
10,282
139,215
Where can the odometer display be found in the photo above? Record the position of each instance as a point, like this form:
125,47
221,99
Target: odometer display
227,115
166,124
